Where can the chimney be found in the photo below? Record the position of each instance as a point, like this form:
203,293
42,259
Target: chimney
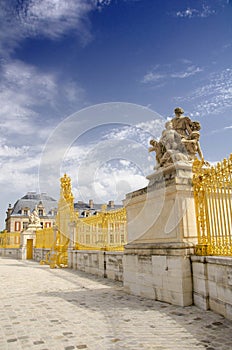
91,204
9,210
111,204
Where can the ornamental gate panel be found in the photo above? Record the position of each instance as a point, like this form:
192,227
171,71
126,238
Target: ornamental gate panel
213,203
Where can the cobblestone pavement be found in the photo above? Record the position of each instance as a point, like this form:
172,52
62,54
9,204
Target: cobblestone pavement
61,309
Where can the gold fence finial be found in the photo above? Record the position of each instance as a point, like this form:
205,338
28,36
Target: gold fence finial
66,188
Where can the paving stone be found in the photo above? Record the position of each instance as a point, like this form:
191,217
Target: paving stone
62,309
11,340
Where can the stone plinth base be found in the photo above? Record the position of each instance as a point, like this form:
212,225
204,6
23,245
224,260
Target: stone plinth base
159,271
161,228
164,211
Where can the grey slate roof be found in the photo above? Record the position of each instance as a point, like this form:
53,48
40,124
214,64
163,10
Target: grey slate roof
81,207
33,199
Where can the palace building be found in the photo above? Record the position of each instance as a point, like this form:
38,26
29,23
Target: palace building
90,208
18,216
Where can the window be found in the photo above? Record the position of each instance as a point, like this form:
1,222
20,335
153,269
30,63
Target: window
25,224
25,212
48,224
111,238
122,239
17,225
40,212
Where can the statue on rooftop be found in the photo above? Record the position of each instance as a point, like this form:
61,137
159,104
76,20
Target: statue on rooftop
179,141
34,218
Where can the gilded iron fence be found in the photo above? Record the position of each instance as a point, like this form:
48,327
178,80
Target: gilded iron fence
10,239
44,238
104,231
213,203
58,236
57,243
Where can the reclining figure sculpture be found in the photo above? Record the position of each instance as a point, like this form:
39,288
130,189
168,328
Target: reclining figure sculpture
179,141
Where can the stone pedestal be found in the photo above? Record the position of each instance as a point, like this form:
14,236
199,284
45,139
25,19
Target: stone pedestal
28,234
161,235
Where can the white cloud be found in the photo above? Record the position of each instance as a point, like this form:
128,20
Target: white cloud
52,18
22,87
163,73
140,132
25,91
30,101
214,96
18,168
192,70
204,11
152,77
114,165
111,183
14,152
49,18
187,13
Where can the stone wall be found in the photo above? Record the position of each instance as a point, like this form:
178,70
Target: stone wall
100,263
40,254
14,253
159,272
212,284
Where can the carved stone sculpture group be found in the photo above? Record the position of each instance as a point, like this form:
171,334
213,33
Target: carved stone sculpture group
179,141
34,218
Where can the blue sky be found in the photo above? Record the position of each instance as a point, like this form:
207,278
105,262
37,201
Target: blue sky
141,58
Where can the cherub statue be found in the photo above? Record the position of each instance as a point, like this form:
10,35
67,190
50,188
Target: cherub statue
158,148
193,147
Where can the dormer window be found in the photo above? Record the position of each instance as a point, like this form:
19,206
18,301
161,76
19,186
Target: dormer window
25,212
40,212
